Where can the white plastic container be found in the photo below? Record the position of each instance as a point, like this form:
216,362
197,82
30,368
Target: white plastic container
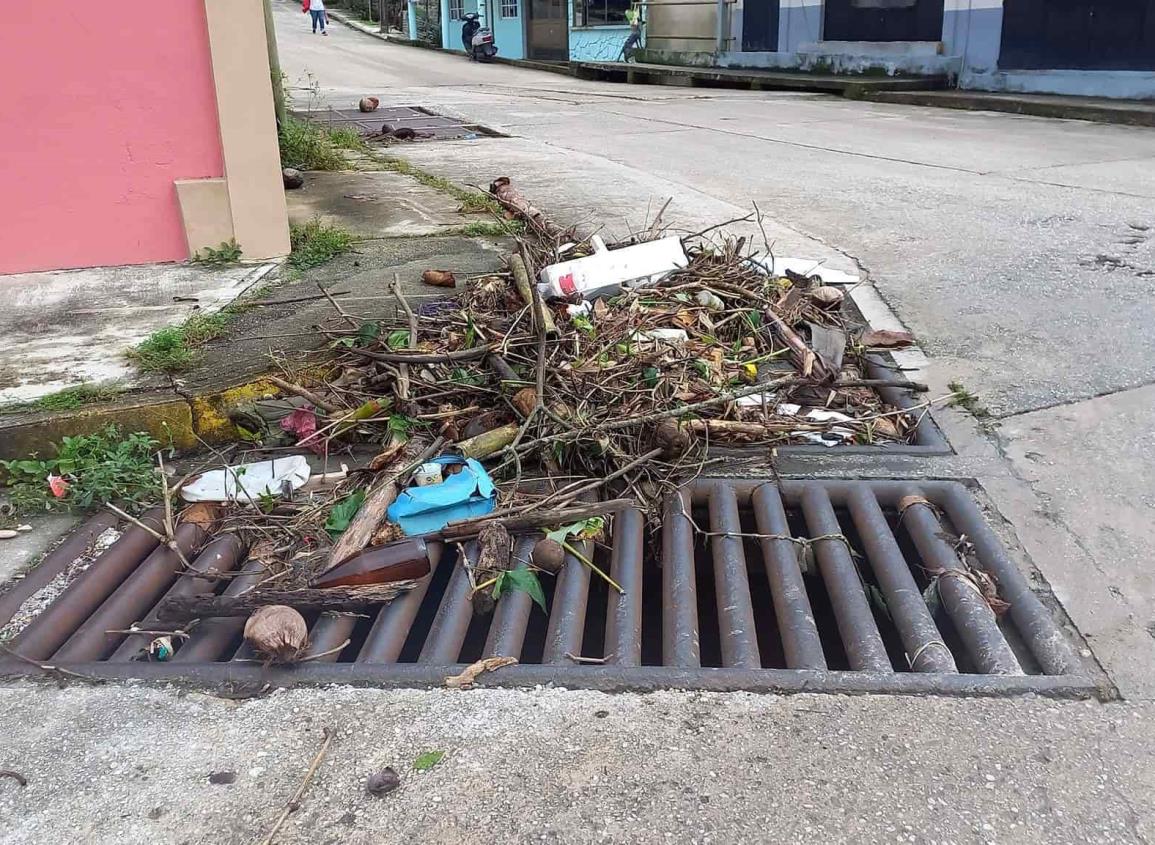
608,271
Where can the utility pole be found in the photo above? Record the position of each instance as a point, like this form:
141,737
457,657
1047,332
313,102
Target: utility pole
274,64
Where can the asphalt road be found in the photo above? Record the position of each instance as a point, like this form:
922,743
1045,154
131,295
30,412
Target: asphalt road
1020,250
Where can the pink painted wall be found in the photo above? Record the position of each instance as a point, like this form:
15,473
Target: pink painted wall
102,106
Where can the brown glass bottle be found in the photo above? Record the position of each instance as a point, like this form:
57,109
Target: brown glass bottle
397,561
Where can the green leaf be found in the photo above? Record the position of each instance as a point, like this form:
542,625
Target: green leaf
524,580
470,332
701,367
343,513
650,376
583,324
369,332
400,425
428,760
398,339
754,318
583,530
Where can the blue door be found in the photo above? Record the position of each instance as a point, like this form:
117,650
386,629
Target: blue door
1078,35
883,20
760,26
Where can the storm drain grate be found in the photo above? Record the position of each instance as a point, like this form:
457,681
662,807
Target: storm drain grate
428,125
844,586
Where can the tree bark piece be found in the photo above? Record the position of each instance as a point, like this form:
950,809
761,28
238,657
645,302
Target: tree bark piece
467,528
176,609
484,445
804,358
423,358
372,513
512,199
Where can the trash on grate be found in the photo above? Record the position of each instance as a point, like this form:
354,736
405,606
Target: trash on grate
905,588
530,412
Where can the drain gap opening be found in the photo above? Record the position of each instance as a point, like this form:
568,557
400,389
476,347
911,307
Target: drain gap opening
597,606
766,628
652,601
475,636
533,647
357,638
709,635
891,639
824,619
423,621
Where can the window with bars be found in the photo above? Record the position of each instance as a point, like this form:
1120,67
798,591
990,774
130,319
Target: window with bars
456,9
509,8
600,12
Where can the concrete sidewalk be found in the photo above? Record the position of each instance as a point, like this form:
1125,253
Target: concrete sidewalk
131,764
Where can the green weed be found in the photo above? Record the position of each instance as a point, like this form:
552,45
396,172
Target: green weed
968,401
229,252
173,349
307,146
68,399
316,242
97,468
472,202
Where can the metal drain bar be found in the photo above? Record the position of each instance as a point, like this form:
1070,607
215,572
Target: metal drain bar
789,586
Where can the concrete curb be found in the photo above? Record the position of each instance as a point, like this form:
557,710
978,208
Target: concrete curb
1125,112
185,421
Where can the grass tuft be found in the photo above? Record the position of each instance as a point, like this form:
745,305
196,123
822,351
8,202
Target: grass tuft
307,146
316,242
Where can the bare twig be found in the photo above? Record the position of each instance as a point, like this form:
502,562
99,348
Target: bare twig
294,803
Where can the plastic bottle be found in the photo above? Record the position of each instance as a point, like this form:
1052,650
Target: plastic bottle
608,271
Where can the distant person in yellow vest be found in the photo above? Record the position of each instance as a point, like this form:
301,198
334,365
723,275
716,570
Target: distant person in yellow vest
634,19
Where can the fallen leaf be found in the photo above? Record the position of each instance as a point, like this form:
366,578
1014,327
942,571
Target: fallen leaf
439,278
201,514
343,513
886,338
428,760
465,679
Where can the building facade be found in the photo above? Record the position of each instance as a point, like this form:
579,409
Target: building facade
139,134
1084,47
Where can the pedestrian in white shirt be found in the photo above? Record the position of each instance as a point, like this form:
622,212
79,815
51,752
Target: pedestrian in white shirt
316,8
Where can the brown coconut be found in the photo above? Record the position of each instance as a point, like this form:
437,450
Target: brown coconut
278,633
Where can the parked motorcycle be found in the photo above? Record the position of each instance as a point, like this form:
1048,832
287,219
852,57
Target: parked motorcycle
477,39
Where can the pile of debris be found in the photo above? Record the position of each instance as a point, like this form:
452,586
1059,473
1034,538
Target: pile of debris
583,371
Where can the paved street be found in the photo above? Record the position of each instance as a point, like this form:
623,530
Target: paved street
1021,251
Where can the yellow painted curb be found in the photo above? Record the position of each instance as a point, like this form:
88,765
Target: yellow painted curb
168,420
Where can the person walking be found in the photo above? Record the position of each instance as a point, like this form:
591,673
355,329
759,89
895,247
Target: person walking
316,8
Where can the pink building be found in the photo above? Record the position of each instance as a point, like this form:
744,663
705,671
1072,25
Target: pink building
137,132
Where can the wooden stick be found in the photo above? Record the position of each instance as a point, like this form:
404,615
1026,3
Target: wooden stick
804,357
424,358
182,608
294,803
345,314
304,393
489,442
526,290
563,496
515,522
403,377
372,513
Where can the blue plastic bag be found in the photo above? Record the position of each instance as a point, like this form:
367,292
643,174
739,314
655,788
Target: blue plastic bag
469,493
